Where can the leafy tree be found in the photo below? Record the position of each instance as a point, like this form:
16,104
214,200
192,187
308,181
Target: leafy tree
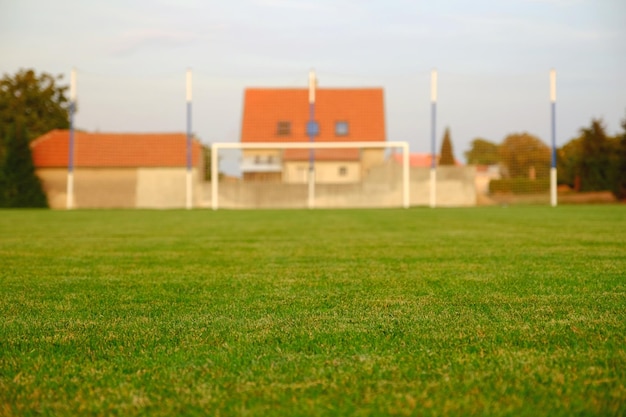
569,158
447,154
524,155
19,185
31,104
482,152
596,164
34,101
619,183
206,154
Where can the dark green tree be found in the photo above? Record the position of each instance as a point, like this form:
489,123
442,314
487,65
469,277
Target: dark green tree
206,154
482,152
19,185
34,101
569,158
596,165
524,155
447,154
619,182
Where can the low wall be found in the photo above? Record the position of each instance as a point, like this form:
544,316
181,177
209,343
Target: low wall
381,188
156,188
163,188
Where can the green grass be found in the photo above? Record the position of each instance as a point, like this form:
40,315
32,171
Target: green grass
487,311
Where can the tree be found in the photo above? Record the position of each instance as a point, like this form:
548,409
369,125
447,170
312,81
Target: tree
525,156
619,183
30,105
482,152
596,165
36,102
19,185
447,154
569,157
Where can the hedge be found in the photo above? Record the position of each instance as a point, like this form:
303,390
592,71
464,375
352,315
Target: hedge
519,186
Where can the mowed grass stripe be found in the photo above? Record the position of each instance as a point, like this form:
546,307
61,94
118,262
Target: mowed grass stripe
498,311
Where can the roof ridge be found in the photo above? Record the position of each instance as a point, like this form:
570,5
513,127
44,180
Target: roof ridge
46,136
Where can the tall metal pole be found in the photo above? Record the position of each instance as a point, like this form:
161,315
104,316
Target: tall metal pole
70,160
312,82
553,193
189,188
433,138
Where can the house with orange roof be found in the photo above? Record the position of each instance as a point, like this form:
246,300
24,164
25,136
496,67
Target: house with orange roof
342,115
121,170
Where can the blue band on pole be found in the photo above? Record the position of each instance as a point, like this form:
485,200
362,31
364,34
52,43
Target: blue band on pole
312,130
553,134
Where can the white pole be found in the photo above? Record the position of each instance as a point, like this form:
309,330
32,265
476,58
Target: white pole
189,190
214,175
70,190
553,176
433,86
433,139
70,164
312,82
189,183
406,202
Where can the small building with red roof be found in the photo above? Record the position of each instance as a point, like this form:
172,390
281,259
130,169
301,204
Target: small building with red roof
122,170
342,115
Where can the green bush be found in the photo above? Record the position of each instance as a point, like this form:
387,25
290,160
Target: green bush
519,186
19,184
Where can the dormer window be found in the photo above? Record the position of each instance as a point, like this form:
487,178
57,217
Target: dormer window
283,128
341,128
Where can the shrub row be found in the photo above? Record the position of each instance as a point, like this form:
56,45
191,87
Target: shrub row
519,186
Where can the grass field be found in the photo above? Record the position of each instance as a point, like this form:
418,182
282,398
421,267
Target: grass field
488,311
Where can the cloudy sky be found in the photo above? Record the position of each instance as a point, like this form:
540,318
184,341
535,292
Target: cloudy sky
493,60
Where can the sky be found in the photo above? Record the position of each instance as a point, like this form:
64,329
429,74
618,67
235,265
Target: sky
493,60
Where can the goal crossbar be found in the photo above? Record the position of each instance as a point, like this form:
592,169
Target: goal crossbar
215,148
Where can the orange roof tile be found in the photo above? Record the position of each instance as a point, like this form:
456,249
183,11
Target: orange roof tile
362,108
114,150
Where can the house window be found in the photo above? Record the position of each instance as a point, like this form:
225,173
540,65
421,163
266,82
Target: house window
283,128
341,128
343,171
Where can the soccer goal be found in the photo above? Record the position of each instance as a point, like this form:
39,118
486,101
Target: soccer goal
310,175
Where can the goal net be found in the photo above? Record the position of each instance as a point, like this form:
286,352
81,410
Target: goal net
309,175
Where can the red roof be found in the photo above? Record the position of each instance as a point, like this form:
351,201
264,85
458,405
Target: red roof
362,108
114,150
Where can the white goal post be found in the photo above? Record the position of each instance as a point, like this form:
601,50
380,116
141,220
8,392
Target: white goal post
216,147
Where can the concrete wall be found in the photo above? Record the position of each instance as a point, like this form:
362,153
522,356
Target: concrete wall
163,188
166,188
382,188
456,186
54,184
158,188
